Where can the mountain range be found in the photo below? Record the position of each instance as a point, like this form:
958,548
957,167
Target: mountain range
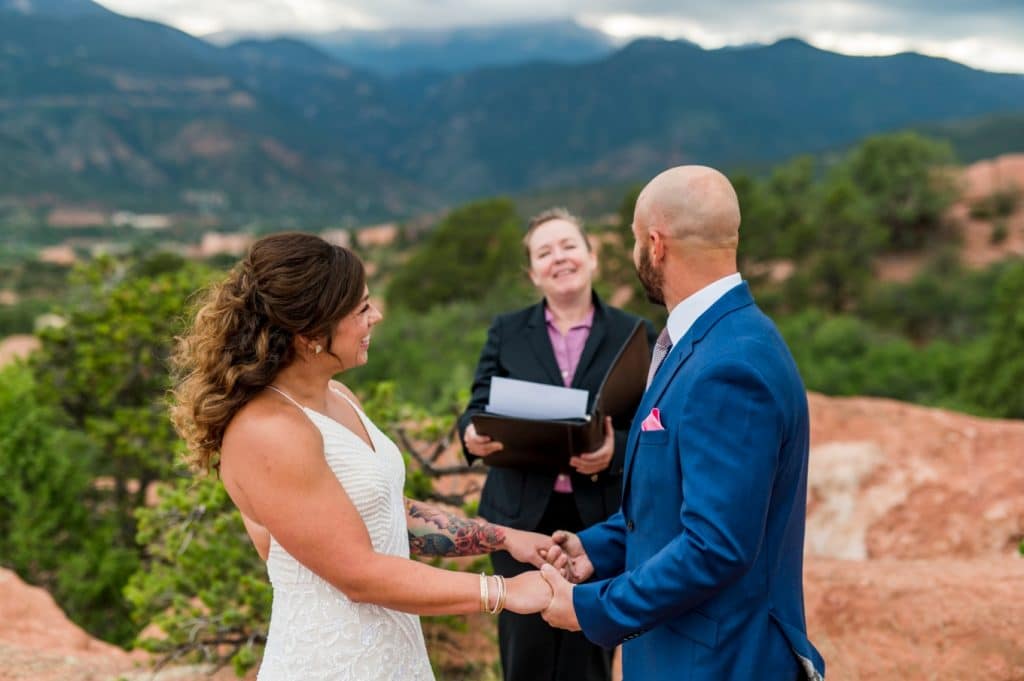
98,107
392,52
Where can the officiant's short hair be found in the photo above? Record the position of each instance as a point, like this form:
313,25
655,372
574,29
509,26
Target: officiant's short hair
546,216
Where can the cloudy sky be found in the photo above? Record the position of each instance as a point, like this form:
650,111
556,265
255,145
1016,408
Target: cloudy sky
987,34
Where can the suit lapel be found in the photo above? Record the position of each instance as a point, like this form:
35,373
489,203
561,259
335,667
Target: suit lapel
735,299
540,342
675,360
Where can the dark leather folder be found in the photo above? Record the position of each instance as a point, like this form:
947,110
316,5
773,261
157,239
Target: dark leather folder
538,444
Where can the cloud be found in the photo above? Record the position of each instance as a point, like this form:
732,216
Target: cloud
986,33
201,17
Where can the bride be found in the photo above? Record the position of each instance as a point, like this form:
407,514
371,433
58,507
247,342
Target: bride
319,486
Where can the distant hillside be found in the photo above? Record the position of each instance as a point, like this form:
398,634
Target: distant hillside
394,52
97,106
133,114
657,103
975,139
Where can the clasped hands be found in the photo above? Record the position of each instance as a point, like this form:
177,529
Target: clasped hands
562,563
561,560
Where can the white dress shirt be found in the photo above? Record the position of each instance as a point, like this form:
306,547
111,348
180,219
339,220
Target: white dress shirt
689,310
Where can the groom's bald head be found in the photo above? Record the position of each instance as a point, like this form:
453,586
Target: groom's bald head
693,205
687,228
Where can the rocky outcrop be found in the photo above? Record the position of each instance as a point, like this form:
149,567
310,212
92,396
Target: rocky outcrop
894,480
983,244
17,347
914,520
39,643
919,620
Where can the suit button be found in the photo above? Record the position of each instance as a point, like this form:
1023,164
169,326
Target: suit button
629,526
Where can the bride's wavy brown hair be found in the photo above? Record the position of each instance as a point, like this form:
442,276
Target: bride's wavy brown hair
290,284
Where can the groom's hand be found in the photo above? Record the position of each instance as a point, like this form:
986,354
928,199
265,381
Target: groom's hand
568,555
560,612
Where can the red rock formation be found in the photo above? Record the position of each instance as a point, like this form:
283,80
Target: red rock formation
926,507
919,620
17,347
39,643
981,180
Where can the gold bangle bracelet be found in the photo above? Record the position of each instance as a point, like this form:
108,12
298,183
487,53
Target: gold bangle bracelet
484,594
499,602
504,595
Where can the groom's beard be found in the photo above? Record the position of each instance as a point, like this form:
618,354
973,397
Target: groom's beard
652,279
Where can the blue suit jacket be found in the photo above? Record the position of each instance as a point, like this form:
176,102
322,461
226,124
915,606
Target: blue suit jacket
701,570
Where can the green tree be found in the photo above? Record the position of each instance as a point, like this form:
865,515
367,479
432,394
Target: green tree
1002,203
944,300
791,188
837,271
475,249
105,371
994,381
906,175
758,231
777,221
202,583
843,355
21,316
53,531
615,262
44,482
106,368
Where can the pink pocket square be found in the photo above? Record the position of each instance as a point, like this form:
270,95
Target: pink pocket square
653,421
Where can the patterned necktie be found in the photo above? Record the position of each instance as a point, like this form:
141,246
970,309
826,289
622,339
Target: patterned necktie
662,347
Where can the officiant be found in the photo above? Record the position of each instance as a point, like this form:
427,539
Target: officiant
570,339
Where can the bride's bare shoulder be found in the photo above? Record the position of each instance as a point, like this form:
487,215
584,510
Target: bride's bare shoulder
269,423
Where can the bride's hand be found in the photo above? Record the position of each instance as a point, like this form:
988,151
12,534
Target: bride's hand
527,593
527,547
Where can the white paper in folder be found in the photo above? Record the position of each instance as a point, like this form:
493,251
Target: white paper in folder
528,400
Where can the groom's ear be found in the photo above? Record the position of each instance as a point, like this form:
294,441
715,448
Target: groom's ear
658,244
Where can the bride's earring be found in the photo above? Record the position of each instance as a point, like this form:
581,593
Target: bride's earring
318,349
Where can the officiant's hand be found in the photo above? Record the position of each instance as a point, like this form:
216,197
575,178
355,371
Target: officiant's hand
560,612
528,593
596,461
526,547
568,555
480,445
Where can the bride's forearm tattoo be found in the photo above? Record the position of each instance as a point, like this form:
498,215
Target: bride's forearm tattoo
433,532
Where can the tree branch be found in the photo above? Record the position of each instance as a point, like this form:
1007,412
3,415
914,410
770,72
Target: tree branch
427,462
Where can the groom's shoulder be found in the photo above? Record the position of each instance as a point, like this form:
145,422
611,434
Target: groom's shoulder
746,322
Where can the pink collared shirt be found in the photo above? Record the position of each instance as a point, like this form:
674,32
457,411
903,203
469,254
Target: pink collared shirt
568,350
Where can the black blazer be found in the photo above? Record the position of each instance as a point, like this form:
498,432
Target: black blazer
518,346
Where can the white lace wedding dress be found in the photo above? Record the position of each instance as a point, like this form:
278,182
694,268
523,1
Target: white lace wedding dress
316,632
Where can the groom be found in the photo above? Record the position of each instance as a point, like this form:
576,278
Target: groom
700,571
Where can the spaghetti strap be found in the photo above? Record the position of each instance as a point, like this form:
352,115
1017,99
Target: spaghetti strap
287,397
341,393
